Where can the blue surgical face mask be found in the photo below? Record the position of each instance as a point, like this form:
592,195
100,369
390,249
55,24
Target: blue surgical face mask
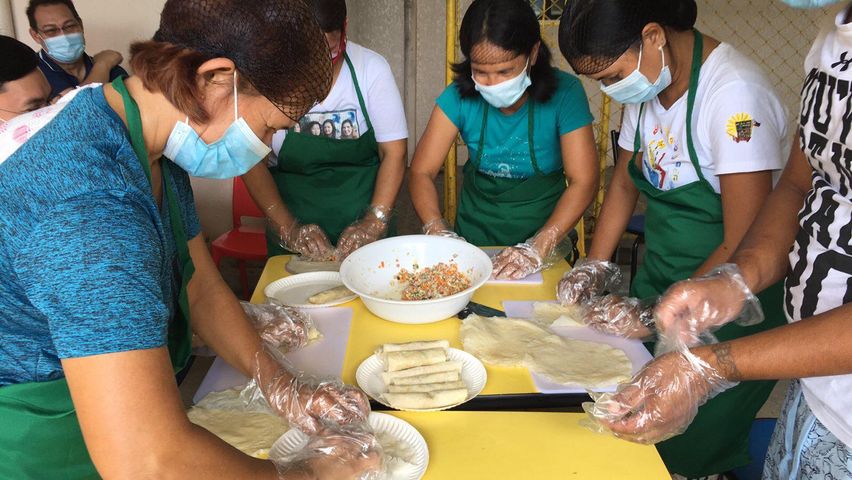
636,88
231,156
810,3
66,48
505,94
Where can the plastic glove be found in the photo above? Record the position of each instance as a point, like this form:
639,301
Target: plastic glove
622,316
588,279
534,255
441,228
659,402
307,240
367,230
280,326
307,403
352,453
691,309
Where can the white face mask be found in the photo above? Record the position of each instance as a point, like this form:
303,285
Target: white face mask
505,94
636,88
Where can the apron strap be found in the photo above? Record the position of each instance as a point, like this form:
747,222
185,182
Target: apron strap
134,125
179,329
358,92
697,56
530,132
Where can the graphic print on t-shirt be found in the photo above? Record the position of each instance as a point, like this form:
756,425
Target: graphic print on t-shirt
662,165
340,125
821,259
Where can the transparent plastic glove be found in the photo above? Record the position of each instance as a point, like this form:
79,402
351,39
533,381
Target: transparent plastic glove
366,230
622,316
306,402
350,453
536,254
691,309
588,279
441,228
659,402
307,240
280,326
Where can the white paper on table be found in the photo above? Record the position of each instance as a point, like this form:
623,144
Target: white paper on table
634,349
323,358
534,279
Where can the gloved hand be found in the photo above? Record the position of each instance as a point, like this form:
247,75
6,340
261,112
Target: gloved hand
691,309
280,326
307,240
622,316
534,255
588,279
441,228
659,402
366,230
307,403
350,453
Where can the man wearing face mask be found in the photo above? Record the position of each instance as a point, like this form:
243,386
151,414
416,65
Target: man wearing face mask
326,196
702,137
802,235
56,26
528,129
23,87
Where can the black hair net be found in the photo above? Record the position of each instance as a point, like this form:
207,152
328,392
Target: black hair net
277,45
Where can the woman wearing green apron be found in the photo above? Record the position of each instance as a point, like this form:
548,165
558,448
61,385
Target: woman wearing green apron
106,274
702,134
321,191
528,130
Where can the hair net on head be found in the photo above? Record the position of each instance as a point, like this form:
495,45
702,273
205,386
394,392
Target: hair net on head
276,45
593,34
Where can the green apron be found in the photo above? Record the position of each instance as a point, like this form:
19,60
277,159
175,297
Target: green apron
39,434
505,211
326,181
683,227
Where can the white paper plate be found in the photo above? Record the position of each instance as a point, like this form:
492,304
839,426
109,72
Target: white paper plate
369,377
383,424
295,290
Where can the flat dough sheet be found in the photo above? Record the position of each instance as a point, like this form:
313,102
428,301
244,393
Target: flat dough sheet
554,314
512,342
224,415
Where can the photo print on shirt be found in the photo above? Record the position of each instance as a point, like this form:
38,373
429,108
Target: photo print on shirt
340,125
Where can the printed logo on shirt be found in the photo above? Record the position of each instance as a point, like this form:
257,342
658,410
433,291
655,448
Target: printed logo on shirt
844,62
741,127
340,125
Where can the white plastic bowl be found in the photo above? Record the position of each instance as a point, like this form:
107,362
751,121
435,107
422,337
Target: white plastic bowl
370,272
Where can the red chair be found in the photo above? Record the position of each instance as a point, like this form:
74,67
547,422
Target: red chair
243,242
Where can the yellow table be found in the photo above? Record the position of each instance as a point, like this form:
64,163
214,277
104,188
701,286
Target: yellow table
528,446
369,331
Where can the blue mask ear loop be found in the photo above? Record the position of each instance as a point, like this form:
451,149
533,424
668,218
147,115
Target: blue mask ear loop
236,108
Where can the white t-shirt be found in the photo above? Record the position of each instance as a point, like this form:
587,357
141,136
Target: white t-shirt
821,259
337,114
739,125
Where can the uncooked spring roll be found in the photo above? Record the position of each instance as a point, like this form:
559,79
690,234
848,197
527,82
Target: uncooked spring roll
404,347
426,387
439,399
451,366
396,361
440,377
